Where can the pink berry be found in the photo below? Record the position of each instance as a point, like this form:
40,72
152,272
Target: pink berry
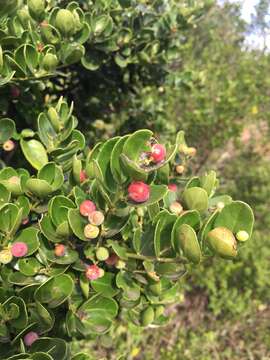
30,338
93,272
86,207
19,249
138,191
83,176
172,187
158,153
59,250
96,218
25,221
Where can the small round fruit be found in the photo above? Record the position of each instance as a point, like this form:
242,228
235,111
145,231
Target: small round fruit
25,221
96,218
8,145
59,250
30,338
19,249
112,260
91,231
191,151
5,256
242,235
147,316
220,205
158,153
138,191
172,187
222,241
180,169
64,21
83,176
50,62
102,254
86,207
176,208
93,272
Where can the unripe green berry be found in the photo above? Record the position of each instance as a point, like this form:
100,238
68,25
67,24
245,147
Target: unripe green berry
5,256
242,235
50,62
147,316
102,254
64,21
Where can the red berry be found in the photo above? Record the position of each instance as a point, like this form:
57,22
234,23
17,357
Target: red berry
86,207
172,187
93,272
59,250
112,260
158,153
19,249
83,176
30,338
138,191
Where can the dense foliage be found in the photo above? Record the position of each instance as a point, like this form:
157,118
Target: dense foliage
93,236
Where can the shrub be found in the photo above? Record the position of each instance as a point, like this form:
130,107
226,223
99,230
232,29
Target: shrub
57,281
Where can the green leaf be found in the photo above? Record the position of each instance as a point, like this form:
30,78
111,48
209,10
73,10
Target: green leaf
4,195
57,348
7,129
195,198
29,266
162,237
105,285
104,159
191,218
34,153
115,164
236,216
188,243
39,188
10,218
21,321
98,313
77,223
55,291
